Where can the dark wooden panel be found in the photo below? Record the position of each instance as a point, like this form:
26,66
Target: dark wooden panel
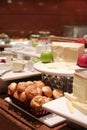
56,7
22,17
28,24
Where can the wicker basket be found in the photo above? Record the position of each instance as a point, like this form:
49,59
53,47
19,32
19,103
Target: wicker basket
36,112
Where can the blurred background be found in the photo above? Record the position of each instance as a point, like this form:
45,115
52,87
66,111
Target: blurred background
21,18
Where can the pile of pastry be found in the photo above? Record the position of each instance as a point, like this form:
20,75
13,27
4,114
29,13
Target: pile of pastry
34,93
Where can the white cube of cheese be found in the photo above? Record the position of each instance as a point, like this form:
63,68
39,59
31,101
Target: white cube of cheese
67,52
80,86
18,66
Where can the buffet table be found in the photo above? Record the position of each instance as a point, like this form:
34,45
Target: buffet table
16,119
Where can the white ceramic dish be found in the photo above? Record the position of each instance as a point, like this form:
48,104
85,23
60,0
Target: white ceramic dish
18,75
59,106
61,72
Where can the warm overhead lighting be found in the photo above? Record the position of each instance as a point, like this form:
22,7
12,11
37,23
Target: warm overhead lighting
9,1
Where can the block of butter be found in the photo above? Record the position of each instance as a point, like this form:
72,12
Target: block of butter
18,66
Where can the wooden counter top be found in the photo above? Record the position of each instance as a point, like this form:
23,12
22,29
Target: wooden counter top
14,119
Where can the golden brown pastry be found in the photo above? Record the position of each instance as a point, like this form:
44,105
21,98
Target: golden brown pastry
12,88
31,91
29,83
57,93
39,83
21,87
38,101
47,91
16,95
47,99
23,97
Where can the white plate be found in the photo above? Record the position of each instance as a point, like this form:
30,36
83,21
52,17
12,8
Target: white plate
61,72
18,75
59,106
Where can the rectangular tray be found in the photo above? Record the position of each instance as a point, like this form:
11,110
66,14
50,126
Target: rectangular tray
50,119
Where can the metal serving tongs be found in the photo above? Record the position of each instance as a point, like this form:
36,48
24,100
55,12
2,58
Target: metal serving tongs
5,71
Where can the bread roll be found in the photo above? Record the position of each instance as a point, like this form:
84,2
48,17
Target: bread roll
29,83
12,88
47,99
47,91
23,97
31,91
21,87
16,95
57,93
38,101
39,84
